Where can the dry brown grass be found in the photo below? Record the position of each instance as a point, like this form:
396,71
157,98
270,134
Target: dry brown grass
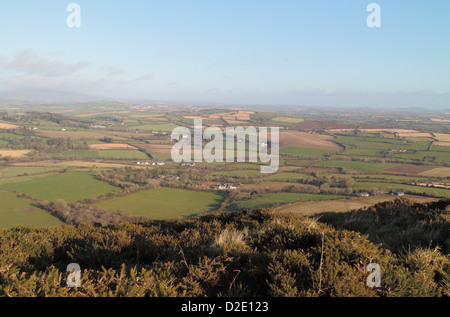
288,119
437,172
414,135
14,153
441,143
440,120
442,137
342,205
377,130
7,126
195,117
230,237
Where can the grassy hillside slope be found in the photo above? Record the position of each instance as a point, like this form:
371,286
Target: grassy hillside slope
258,253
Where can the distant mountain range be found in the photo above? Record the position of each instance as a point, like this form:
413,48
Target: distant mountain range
43,96
35,96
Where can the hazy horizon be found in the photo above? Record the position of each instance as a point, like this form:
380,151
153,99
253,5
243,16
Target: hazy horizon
287,52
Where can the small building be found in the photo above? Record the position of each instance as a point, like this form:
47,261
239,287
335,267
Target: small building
363,194
188,164
225,186
399,194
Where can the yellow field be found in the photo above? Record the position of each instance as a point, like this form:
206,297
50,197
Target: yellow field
415,135
288,119
14,153
441,143
440,120
437,172
7,126
194,117
379,130
239,117
310,208
442,137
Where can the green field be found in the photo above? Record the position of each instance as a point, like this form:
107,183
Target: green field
435,192
420,146
356,165
283,177
10,136
363,153
123,154
68,186
164,203
80,154
376,147
373,143
19,171
270,200
16,212
239,173
426,156
303,152
90,141
167,127
440,148
107,154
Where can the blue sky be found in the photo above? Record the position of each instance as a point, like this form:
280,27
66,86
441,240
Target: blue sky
237,51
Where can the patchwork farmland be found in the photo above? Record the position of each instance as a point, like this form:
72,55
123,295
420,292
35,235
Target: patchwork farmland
121,161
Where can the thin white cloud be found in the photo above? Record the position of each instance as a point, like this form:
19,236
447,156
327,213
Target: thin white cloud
145,77
30,63
112,70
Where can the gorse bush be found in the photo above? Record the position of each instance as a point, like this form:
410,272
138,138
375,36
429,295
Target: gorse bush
258,253
400,225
